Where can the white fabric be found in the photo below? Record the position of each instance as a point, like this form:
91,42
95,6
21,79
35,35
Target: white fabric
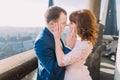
75,60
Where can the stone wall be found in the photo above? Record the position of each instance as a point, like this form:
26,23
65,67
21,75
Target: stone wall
93,61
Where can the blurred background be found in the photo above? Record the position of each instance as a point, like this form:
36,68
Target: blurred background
22,20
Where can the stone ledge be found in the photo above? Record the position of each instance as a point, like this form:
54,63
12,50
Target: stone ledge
110,37
17,66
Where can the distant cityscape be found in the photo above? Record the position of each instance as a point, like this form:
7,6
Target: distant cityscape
14,40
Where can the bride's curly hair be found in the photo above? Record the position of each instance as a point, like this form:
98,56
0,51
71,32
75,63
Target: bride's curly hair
86,22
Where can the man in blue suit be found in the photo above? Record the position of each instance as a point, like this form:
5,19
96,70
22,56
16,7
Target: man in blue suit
44,46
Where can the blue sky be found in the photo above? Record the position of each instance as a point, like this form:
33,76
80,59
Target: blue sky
30,13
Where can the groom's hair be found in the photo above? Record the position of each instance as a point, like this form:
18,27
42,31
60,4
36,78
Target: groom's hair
53,13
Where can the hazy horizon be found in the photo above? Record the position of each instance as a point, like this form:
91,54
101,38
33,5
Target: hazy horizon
30,13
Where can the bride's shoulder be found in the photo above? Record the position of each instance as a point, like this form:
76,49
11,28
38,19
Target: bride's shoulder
85,43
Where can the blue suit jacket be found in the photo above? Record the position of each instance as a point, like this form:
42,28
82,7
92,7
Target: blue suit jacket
44,47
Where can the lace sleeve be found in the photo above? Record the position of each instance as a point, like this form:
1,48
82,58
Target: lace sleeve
80,52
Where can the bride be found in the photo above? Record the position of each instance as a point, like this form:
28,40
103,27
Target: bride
85,30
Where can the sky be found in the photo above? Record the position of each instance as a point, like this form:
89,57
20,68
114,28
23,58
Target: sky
26,13
30,13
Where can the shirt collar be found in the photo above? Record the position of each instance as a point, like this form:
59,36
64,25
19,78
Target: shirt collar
50,30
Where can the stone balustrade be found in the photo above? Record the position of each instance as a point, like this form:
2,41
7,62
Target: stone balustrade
18,66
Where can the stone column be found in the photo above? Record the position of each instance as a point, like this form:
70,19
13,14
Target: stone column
117,65
104,13
93,61
94,5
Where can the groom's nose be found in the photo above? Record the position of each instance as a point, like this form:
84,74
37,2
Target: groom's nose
68,24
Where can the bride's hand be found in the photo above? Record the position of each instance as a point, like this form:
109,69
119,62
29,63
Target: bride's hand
57,31
71,37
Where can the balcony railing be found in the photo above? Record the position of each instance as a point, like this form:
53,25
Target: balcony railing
18,66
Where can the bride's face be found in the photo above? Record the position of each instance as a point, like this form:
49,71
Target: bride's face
72,24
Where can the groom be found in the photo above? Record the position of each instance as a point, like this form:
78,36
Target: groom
44,46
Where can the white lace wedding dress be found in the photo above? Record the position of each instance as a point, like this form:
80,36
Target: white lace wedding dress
75,60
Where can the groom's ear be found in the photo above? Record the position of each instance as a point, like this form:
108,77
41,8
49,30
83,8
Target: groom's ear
52,23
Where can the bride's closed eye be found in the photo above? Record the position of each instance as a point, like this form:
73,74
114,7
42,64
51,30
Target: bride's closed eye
71,22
